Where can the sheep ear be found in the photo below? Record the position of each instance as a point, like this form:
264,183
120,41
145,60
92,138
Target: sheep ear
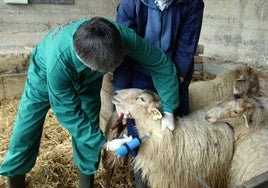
245,116
156,114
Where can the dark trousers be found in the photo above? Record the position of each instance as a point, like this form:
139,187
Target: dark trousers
138,180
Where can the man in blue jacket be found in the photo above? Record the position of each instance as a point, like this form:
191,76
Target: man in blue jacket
172,25
65,73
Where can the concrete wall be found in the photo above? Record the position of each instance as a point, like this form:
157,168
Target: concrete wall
25,25
233,30
236,30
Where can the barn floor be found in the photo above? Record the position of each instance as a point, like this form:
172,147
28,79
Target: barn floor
54,166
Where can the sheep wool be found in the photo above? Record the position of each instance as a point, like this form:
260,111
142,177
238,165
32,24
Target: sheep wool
248,117
202,93
193,155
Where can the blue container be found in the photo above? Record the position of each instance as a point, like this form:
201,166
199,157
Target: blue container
127,147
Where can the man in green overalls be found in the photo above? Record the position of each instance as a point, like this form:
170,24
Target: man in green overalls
65,73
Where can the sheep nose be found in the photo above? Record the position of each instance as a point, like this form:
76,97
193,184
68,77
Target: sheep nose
207,117
236,96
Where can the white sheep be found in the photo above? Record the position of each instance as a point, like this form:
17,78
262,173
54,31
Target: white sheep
245,80
248,117
202,93
193,155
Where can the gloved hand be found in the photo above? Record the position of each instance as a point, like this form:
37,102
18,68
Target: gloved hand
114,144
168,121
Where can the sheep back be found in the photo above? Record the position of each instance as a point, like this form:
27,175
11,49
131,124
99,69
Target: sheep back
250,157
203,92
193,152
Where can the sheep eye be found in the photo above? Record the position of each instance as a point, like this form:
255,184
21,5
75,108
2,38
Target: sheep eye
141,98
236,112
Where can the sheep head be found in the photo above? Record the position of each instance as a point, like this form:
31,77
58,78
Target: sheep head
137,103
246,82
231,112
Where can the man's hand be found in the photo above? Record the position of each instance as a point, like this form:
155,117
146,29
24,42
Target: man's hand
168,121
113,145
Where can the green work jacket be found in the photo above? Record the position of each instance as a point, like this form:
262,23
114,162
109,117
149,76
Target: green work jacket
74,89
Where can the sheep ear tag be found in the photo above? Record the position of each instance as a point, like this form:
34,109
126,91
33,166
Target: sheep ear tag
156,114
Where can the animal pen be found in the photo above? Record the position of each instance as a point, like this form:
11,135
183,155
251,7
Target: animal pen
236,32
54,166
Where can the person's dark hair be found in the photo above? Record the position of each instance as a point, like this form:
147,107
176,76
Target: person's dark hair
98,44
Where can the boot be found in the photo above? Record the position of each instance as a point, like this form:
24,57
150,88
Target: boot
138,180
16,181
85,181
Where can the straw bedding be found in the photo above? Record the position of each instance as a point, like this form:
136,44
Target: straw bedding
54,166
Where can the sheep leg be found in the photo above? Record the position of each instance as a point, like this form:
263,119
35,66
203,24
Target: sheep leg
130,174
109,175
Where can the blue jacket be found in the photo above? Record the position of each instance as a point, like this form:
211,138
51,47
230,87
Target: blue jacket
175,30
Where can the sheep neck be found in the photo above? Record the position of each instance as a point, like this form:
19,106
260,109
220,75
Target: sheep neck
259,115
142,125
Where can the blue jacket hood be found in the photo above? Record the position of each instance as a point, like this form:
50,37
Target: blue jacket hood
151,3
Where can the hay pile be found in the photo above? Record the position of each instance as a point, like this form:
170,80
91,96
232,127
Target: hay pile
54,166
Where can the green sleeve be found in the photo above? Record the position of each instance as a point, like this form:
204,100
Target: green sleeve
161,68
67,104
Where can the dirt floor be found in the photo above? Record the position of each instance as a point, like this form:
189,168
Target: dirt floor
54,167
